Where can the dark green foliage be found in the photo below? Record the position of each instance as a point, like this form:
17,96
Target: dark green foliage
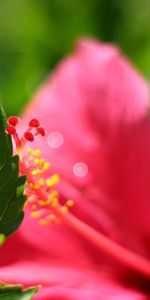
11,185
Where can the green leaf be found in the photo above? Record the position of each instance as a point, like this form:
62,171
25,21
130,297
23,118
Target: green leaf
11,184
15,292
12,201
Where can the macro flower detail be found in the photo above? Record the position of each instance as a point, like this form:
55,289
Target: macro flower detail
42,198
96,106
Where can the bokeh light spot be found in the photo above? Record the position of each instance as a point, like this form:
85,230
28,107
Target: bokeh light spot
55,139
80,169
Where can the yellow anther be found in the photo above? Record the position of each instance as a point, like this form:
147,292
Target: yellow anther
54,179
39,205
44,222
36,214
29,150
54,202
46,166
52,195
70,203
41,182
37,152
34,207
42,203
36,172
42,161
49,182
39,162
64,209
35,186
52,217
36,161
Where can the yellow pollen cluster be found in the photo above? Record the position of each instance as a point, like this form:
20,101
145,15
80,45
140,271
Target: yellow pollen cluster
39,183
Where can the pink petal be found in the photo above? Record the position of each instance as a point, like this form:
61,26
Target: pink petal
55,243
63,283
97,106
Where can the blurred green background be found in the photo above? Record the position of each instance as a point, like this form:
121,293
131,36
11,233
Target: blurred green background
35,34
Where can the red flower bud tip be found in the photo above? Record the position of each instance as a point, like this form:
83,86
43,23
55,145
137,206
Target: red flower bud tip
13,121
34,123
41,131
29,136
10,130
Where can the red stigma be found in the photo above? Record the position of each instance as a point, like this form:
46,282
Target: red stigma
34,123
29,136
13,121
10,130
41,131
33,130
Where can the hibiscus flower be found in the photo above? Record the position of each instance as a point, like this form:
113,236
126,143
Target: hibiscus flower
95,110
